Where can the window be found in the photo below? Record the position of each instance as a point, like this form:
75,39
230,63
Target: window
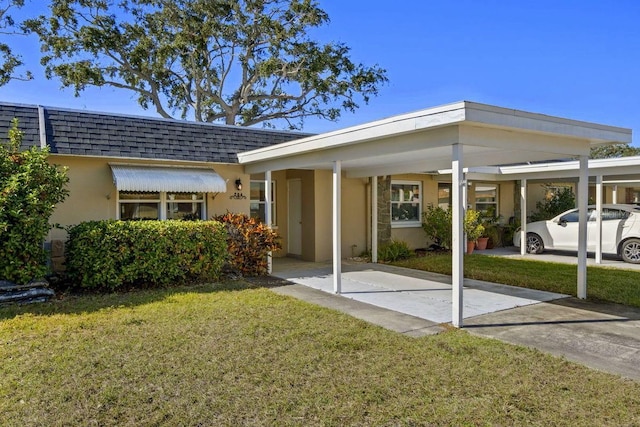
614,214
444,195
258,201
406,203
188,206
139,205
486,198
160,205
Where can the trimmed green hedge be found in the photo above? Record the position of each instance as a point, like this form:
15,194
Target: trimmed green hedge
113,254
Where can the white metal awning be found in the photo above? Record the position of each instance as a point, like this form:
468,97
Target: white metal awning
169,179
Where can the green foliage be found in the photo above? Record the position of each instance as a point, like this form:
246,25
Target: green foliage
249,242
395,250
436,222
114,254
559,202
242,62
30,188
9,61
472,225
613,151
492,229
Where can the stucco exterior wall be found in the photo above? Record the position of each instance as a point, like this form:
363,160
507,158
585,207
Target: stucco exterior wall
93,195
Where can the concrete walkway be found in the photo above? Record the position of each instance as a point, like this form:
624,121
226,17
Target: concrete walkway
416,303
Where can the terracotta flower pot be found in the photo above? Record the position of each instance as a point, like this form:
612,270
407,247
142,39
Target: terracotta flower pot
470,247
481,244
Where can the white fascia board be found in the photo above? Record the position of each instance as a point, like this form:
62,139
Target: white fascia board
594,165
393,126
597,134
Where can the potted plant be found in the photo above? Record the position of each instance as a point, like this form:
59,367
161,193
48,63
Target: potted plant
491,235
472,228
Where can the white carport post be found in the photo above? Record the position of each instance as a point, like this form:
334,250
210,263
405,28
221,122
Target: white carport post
523,216
337,244
614,195
599,219
268,214
374,219
583,196
457,231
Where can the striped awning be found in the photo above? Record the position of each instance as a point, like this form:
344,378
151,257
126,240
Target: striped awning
169,179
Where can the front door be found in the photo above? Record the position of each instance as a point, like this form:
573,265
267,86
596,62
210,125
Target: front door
295,216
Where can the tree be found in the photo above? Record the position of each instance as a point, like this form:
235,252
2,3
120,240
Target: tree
239,61
613,151
30,188
9,61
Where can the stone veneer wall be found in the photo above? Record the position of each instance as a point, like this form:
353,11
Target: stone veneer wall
384,210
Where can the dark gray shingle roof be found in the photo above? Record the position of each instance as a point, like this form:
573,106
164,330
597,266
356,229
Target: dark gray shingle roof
111,135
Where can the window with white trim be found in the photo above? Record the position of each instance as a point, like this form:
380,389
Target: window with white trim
258,201
160,205
187,206
486,197
406,203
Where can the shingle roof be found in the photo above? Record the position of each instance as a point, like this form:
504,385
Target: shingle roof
111,135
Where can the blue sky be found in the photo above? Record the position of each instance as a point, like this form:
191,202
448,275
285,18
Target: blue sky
574,59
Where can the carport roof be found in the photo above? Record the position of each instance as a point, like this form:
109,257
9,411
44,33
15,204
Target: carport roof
421,141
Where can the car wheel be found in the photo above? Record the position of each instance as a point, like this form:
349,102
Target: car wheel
630,251
534,244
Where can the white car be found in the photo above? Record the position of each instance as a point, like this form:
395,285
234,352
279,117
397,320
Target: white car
620,232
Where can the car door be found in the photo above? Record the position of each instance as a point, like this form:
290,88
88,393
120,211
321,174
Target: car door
616,224
564,232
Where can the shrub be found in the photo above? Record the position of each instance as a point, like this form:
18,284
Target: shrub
436,222
30,188
112,254
559,202
472,226
249,242
394,251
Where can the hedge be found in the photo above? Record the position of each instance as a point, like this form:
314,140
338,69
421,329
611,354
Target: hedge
113,254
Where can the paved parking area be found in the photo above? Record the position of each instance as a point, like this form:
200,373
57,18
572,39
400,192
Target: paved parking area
416,293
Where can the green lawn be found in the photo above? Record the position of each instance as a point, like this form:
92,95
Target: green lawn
603,284
235,355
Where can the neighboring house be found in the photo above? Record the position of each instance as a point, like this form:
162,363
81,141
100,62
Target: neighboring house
125,167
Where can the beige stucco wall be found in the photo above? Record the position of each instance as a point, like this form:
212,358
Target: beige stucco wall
92,193
93,197
317,202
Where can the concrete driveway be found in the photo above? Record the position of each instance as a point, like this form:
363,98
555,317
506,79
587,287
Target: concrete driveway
415,303
564,257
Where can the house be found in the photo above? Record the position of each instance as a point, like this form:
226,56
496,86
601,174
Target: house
128,167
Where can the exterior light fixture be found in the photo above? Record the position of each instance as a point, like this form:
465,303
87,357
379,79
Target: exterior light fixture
238,184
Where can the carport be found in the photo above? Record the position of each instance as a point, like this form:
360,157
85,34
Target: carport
457,136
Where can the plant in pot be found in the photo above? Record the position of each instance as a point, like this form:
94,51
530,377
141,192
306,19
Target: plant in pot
472,228
491,235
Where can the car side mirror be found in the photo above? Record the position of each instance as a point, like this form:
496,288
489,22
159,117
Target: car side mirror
562,222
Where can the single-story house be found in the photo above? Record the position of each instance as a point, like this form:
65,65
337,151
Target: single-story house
328,195
128,167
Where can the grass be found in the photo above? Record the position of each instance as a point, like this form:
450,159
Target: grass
603,284
230,354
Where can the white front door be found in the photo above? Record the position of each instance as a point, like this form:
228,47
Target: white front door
295,216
